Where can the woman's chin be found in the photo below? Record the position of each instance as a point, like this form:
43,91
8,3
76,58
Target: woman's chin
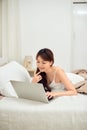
41,70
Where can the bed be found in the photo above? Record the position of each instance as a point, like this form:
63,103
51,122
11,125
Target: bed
62,113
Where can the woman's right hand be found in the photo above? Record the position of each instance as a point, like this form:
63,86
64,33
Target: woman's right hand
37,77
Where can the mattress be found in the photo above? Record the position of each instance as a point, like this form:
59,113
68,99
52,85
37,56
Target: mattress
62,113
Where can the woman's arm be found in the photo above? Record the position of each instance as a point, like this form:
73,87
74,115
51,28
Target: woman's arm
65,80
60,75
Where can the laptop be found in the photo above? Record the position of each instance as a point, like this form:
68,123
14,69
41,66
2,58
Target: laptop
31,91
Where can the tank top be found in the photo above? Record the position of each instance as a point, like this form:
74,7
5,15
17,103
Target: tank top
54,85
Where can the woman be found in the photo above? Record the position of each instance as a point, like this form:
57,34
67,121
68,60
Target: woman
51,76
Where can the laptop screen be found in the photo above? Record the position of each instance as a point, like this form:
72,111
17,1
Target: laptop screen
31,91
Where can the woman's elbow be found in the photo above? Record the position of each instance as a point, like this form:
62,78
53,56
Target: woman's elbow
74,92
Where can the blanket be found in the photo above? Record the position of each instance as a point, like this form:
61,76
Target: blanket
81,87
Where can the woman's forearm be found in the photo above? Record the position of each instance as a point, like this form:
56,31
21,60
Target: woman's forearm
63,93
66,93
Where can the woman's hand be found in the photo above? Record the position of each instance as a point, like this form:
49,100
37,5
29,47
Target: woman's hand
37,77
51,94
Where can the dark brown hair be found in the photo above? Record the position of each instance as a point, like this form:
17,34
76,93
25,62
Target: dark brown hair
47,55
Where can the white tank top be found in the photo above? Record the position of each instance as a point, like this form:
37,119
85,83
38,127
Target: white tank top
54,85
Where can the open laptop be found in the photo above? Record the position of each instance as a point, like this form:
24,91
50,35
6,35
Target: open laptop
31,91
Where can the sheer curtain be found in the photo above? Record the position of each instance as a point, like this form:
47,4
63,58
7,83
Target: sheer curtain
11,49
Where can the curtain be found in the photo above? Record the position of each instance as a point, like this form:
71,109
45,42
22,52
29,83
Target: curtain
11,49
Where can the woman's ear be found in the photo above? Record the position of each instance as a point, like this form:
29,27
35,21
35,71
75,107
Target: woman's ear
51,63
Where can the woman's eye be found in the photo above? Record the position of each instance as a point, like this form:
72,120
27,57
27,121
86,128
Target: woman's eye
38,62
44,63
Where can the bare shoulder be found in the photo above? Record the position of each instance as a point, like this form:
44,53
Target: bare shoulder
59,74
59,70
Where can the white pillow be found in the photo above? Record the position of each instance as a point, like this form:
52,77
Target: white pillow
12,71
8,90
3,61
74,78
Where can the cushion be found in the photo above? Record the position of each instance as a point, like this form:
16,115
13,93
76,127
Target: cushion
74,78
3,61
8,90
82,72
12,71
81,87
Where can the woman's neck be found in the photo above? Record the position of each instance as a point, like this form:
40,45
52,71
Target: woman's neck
50,72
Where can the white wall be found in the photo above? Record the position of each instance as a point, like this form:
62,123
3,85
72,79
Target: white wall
80,36
29,25
46,23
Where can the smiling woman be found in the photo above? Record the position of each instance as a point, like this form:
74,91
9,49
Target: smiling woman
52,76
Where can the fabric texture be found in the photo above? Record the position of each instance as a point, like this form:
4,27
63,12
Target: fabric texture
74,78
81,86
12,71
81,72
62,113
8,90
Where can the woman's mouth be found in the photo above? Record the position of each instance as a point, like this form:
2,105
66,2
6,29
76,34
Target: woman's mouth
41,69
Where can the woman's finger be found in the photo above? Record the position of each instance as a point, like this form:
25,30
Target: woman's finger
38,73
48,93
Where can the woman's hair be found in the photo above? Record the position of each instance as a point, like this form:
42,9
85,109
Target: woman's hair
47,55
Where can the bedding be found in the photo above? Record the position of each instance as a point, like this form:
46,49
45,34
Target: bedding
81,86
74,78
81,72
8,90
3,61
12,71
62,113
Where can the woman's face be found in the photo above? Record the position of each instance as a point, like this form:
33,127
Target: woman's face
43,65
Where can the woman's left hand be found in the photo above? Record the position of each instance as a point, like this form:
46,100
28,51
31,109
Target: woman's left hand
51,94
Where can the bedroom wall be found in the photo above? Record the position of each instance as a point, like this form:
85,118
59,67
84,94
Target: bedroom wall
46,23
79,36
28,26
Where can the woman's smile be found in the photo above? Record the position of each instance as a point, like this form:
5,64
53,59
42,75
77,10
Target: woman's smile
42,69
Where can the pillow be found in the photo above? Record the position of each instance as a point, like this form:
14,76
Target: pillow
74,78
3,61
83,89
8,90
12,71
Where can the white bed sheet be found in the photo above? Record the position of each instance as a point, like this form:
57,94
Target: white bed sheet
63,113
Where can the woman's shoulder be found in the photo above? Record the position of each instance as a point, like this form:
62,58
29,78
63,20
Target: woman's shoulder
58,69
59,73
